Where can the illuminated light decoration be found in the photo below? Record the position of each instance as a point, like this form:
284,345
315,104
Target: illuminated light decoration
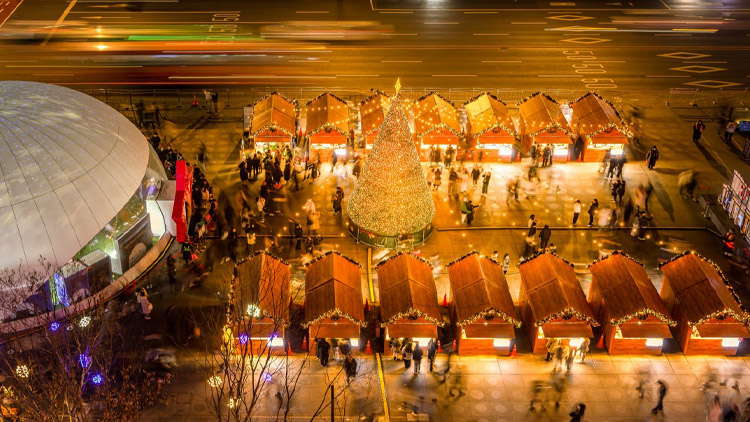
442,107
244,338
379,101
215,381
654,342
84,321
84,360
488,315
54,326
233,402
501,342
325,254
354,342
275,124
23,371
623,128
552,126
253,311
575,342
267,377
275,341
725,312
334,314
390,258
391,199
327,126
730,342
97,379
411,314
492,122
538,254
567,313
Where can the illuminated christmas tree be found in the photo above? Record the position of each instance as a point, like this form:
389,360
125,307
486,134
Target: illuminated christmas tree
391,201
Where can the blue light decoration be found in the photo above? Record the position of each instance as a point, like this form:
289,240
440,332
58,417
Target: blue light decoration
84,360
267,377
54,326
244,338
97,379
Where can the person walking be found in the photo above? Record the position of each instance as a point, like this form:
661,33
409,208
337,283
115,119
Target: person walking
537,386
432,348
620,191
470,212
584,348
729,132
337,198
544,236
577,414
576,211
612,166
350,367
662,392
452,178
551,346
486,183
715,412
438,178
615,186
260,203
396,348
416,356
323,348
475,173
448,157
144,304
215,101
430,178
406,353
558,388
558,357
593,208
651,157
698,129
171,271
506,263
620,164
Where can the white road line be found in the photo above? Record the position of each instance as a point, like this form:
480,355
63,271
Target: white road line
251,77
75,66
605,61
59,21
501,61
311,11
718,62
491,35
439,23
357,76
210,12
665,5
667,76
395,13
454,76
309,61
673,35
528,23
480,13
401,61
410,35
558,76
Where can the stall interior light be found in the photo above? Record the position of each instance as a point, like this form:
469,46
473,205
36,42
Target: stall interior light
730,342
654,342
561,151
354,342
616,152
501,342
422,341
340,151
276,341
576,342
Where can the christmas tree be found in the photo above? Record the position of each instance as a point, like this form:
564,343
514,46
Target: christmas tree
391,201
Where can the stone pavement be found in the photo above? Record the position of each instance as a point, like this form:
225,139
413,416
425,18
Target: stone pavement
497,388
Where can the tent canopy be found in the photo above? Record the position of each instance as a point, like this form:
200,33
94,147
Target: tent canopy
333,288
372,112
433,112
594,117
487,114
274,116
327,114
263,286
540,113
479,288
407,287
701,289
626,289
553,290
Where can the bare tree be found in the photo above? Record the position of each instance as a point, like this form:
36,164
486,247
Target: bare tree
73,362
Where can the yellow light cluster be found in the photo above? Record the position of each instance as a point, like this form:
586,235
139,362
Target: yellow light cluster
411,312
494,313
644,313
334,312
567,312
391,197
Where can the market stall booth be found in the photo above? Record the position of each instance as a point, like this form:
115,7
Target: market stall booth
634,318
262,291
481,307
327,129
436,124
600,127
491,130
274,122
408,299
333,299
542,122
710,319
371,115
552,302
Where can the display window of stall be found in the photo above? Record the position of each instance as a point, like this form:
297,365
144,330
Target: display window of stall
435,123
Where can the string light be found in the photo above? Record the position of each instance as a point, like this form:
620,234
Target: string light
97,379
392,198
548,122
274,103
329,122
390,258
434,105
618,124
54,326
567,313
483,117
23,371
332,252
84,322
412,314
334,313
215,381
642,314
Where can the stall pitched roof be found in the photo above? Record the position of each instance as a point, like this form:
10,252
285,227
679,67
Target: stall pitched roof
263,281
701,289
553,290
274,111
407,287
372,111
432,112
592,115
479,288
627,289
327,111
333,287
486,112
540,112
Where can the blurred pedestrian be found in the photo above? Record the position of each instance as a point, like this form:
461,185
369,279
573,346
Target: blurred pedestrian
537,387
417,355
350,367
506,263
729,132
406,353
559,355
551,346
584,348
577,414
470,213
486,182
593,208
715,413
576,211
144,305
322,351
662,392
432,348
558,388
396,348
698,129
651,157
544,237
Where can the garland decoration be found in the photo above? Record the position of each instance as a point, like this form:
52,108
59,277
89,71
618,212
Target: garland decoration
332,252
540,253
335,312
643,313
617,252
390,258
566,314
622,127
412,314
492,313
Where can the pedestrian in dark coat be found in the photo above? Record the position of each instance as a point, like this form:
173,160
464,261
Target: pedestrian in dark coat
406,354
475,173
612,167
662,392
577,414
698,129
350,368
323,348
486,183
417,355
615,186
651,157
593,208
620,164
544,236
243,171
432,348
470,214
620,191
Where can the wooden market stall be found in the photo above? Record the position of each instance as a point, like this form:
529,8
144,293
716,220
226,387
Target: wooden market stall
491,129
371,115
436,123
333,299
274,121
552,303
408,299
542,122
262,291
600,127
327,127
482,307
710,318
634,318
